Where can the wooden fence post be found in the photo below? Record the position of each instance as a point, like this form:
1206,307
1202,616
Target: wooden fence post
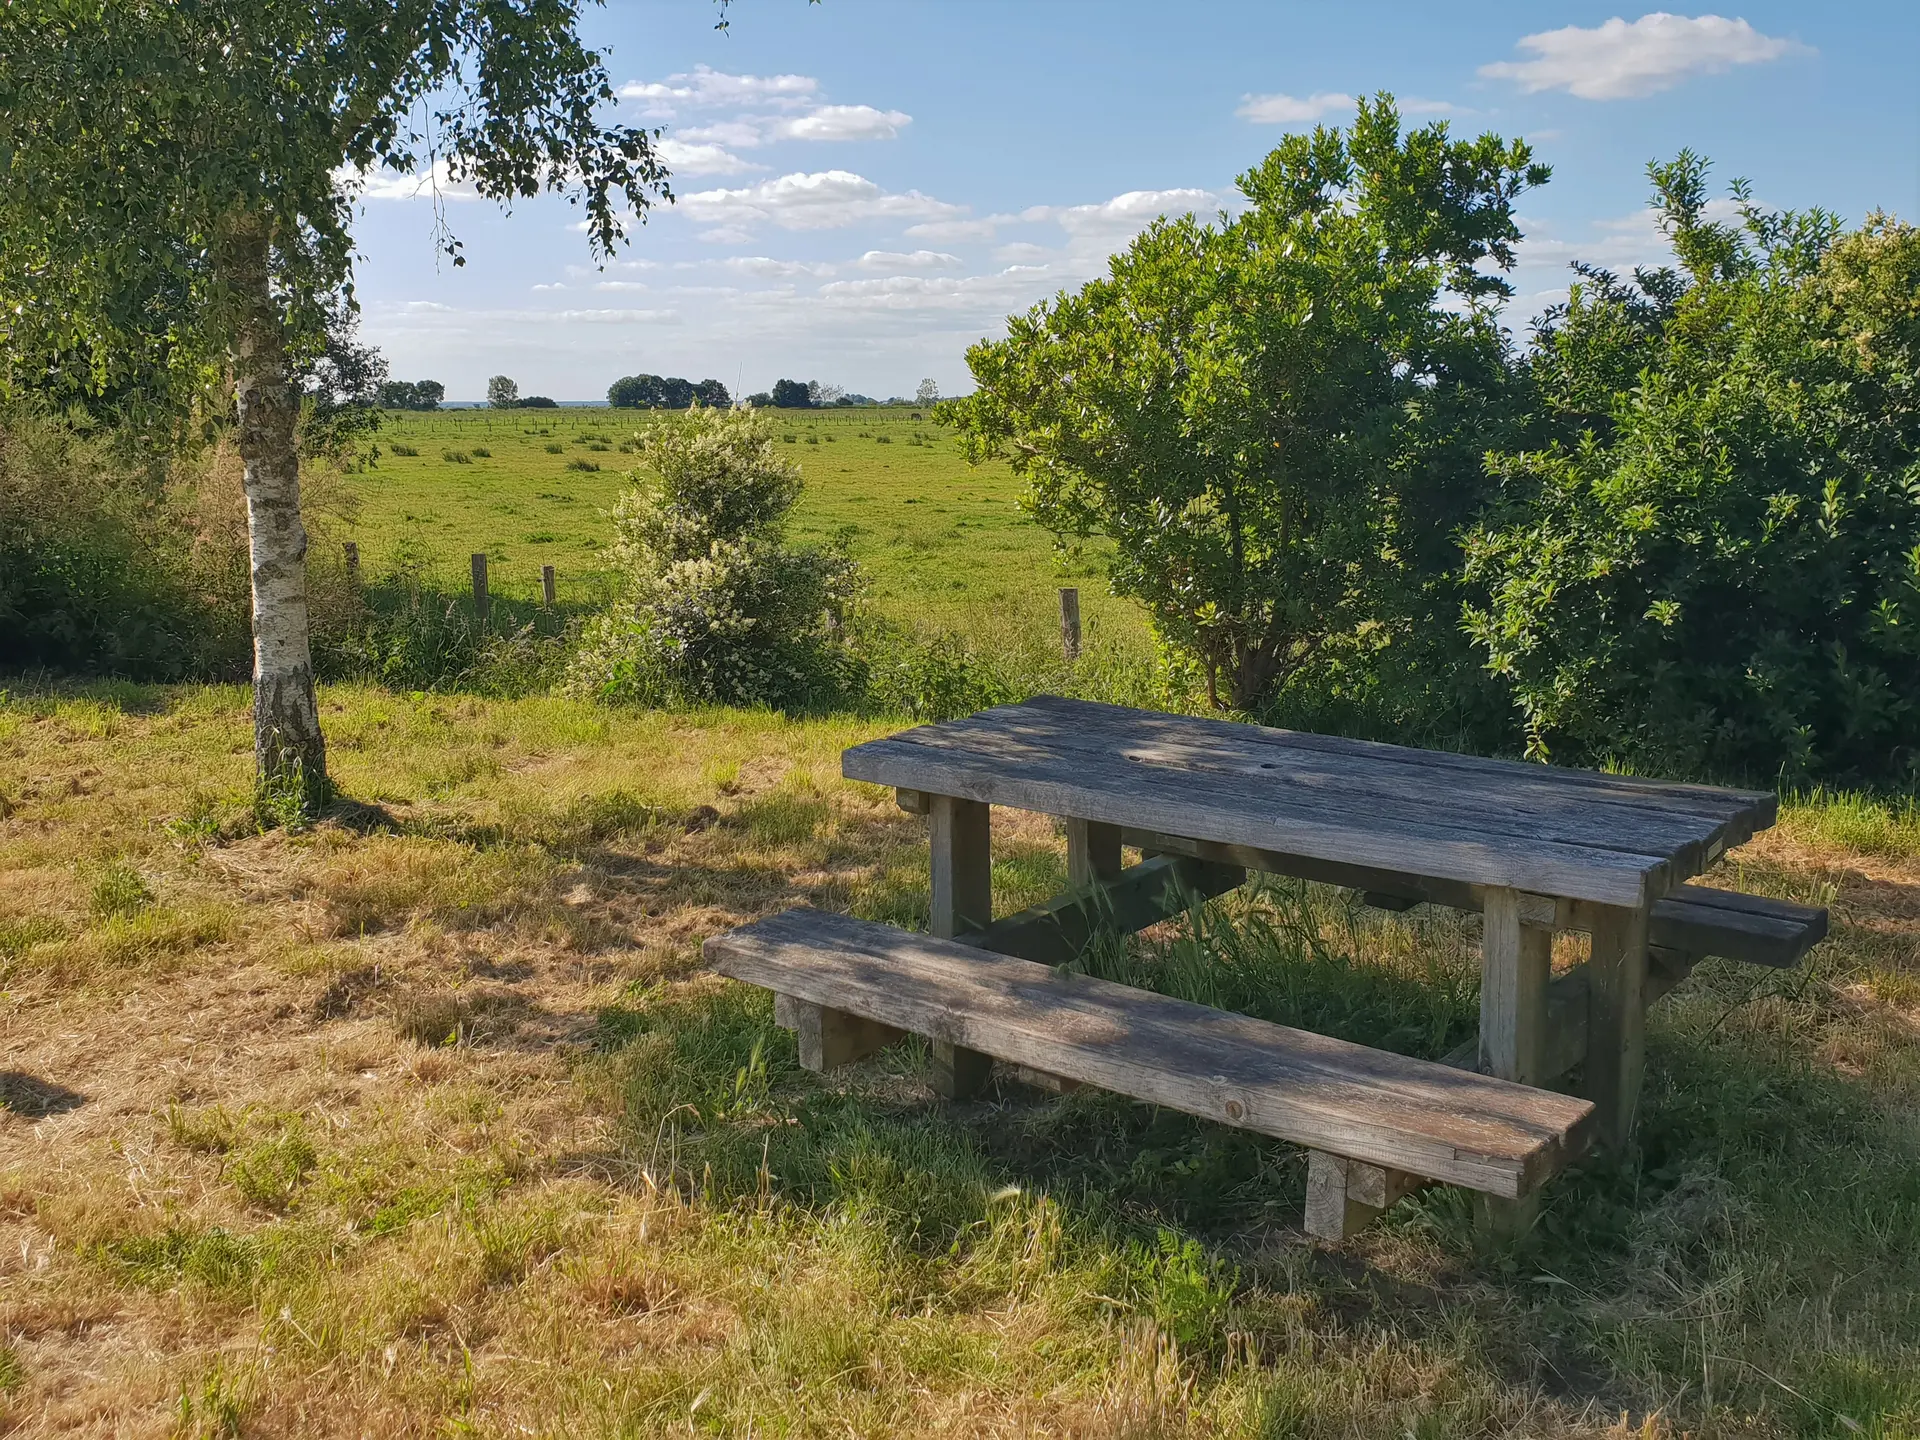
353,564
480,602
546,584
1070,622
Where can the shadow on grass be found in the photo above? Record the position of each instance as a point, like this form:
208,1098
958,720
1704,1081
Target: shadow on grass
1753,1254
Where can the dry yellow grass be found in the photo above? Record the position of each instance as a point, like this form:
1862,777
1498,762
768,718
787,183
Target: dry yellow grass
426,1122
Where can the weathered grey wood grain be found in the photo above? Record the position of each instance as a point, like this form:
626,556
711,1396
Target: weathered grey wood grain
1356,836
1753,928
1400,797
1516,964
1388,1110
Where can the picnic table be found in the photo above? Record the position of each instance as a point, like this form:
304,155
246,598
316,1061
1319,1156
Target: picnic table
1534,849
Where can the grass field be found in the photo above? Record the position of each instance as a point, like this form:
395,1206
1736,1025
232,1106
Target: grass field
945,543
426,1122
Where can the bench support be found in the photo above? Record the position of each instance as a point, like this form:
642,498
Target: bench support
962,901
1345,1196
830,1038
1616,1016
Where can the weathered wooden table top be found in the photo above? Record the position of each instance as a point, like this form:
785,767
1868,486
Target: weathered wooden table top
1569,834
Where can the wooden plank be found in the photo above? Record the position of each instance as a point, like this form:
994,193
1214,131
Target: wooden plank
1332,832
1616,1018
1054,933
1619,812
1093,852
962,858
1388,1110
831,1038
1345,1196
1396,797
1667,794
1752,928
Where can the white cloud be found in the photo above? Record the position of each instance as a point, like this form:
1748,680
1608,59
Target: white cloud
745,133
619,285
1620,60
685,159
821,200
706,88
908,260
1021,251
843,122
384,184
1124,214
768,268
1414,105
727,235
984,229
1292,109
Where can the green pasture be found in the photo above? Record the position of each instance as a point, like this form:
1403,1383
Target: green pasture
945,543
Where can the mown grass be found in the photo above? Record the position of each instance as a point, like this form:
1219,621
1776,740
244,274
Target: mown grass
945,543
427,1121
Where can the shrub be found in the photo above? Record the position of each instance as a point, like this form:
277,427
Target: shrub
480,452
554,447
456,457
1719,571
588,465
719,607
397,448
112,560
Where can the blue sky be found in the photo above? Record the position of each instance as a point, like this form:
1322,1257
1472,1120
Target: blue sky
867,186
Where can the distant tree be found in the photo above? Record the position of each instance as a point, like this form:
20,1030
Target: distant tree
502,393
1247,410
539,402
713,395
928,394
791,395
172,212
760,399
634,392
675,393
340,392
412,394
821,393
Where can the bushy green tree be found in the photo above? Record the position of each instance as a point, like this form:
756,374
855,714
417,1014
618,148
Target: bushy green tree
1717,569
720,607
1254,411
173,216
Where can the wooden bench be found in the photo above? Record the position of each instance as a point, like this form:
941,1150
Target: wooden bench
1379,1124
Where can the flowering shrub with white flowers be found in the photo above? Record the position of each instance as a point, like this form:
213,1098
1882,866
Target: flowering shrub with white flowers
719,607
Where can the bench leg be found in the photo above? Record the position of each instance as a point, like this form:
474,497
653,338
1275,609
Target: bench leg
831,1038
1616,1017
1093,853
1516,964
1345,1196
962,846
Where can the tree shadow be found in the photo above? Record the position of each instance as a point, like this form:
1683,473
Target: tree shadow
32,1098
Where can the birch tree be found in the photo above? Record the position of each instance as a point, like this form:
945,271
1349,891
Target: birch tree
177,214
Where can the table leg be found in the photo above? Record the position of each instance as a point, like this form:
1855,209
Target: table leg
1516,964
1616,1016
962,901
1093,853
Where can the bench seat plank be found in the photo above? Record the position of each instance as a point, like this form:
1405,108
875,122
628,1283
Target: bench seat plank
1696,920
1346,1099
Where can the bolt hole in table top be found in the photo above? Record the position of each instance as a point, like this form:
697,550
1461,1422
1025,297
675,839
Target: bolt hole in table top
1535,849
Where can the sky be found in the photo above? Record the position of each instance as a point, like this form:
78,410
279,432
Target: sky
866,187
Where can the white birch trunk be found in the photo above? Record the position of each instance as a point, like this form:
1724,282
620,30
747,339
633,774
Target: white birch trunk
286,721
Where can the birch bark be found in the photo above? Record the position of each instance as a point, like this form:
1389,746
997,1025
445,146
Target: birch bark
287,743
